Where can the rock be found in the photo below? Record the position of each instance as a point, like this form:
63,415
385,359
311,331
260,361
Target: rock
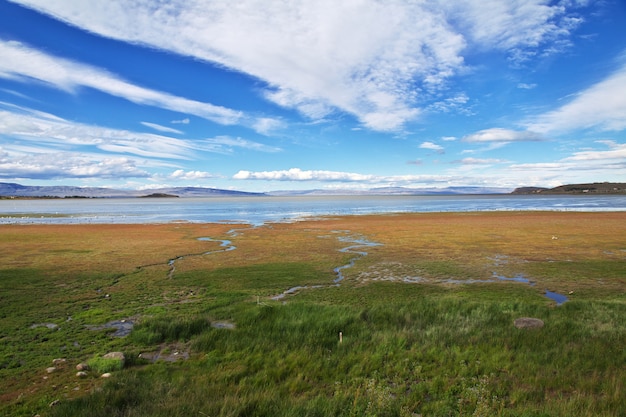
55,402
58,361
81,374
51,369
106,375
116,355
82,367
528,323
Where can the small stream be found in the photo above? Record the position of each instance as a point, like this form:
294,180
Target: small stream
225,245
125,326
356,246
358,243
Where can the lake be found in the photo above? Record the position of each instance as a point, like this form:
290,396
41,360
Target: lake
259,210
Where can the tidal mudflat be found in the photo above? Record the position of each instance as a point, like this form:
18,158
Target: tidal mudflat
395,315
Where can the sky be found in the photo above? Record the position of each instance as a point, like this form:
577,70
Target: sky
266,95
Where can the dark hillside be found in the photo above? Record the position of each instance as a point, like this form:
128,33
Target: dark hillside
590,188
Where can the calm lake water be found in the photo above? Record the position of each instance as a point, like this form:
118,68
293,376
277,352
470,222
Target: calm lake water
259,210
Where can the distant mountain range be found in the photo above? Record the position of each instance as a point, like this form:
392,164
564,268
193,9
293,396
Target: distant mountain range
12,190
396,191
18,190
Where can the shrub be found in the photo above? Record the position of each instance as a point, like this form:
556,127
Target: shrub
163,329
102,365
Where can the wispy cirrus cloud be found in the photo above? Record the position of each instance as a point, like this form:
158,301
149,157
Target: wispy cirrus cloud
161,128
502,135
601,161
375,60
616,152
227,144
36,144
601,106
523,29
25,64
479,161
46,129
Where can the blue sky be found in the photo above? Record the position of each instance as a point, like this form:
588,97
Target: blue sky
306,94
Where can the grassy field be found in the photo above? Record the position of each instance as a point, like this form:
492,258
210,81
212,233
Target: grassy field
420,326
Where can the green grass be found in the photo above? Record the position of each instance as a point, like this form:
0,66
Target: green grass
102,365
444,356
407,349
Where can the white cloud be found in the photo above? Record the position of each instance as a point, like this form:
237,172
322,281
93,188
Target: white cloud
266,125
22,63
180,174
616,152
51,131
603,164
375,60
66,165
296,174
432,146
184,121
161,128
601,106
502,135
524,28
478,161
456,103
525,86
346,178
226,144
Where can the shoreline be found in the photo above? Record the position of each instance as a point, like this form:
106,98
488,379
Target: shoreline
349,218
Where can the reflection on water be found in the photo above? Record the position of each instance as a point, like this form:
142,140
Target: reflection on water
259,210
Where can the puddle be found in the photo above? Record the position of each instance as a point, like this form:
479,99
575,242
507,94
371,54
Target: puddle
165,354
50,326
559,298
465,281
223,325
516,278
122,327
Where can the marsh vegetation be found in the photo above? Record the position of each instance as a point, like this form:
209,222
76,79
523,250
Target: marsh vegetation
425,330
